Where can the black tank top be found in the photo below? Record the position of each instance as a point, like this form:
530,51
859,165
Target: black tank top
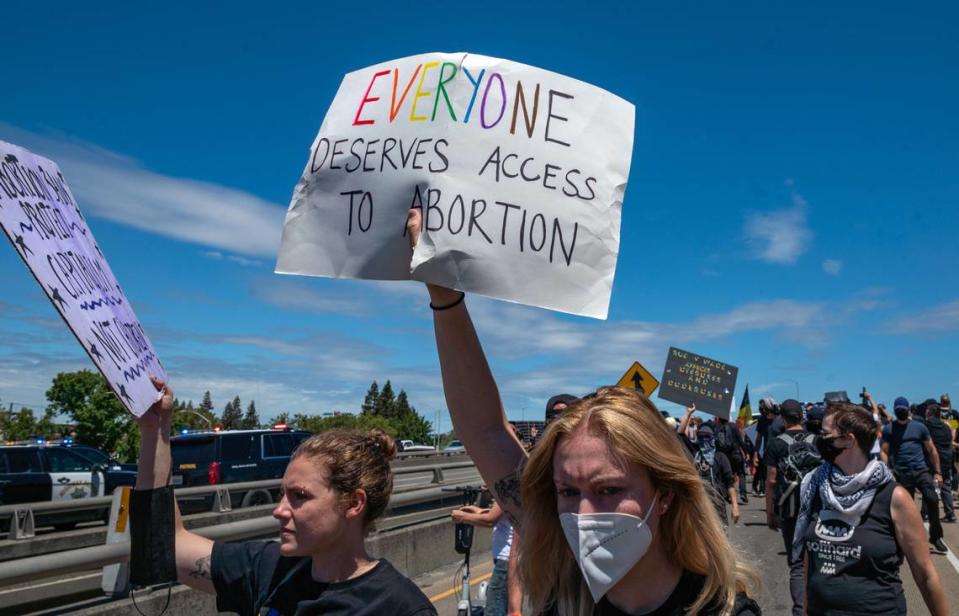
854,567
942,438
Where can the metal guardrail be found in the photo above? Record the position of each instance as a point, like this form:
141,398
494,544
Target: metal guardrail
48,565
22,516
400,455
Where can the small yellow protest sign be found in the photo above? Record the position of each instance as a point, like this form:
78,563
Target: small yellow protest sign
638,377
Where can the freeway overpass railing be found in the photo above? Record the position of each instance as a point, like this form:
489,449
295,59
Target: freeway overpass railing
22,516
82,559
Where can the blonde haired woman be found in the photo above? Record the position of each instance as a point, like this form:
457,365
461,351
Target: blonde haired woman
614,516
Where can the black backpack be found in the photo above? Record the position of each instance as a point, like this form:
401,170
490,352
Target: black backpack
714,489
801,458
725,442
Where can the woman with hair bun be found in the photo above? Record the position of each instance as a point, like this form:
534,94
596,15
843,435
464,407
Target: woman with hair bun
614,517
335,487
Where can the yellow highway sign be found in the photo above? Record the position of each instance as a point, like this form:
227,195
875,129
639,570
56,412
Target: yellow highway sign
638,377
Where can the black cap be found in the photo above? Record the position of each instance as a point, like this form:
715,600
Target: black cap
791,410
566,399
832,397
816,413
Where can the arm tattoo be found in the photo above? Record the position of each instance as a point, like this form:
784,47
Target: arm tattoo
506,490
201,568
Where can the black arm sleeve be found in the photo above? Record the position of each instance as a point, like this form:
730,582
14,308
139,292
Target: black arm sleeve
152,546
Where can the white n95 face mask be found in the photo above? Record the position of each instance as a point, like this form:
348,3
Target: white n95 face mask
606,545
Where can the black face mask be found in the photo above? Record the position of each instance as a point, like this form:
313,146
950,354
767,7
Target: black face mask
826,446
902,414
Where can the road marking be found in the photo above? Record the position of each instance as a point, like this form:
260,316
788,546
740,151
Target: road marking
451,591
952,559
949,555
75,579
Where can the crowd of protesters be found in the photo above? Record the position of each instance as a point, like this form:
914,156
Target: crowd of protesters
838,480
620,511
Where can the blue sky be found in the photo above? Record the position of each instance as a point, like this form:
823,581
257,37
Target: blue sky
793,203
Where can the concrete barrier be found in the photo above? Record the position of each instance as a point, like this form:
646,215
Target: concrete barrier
413,551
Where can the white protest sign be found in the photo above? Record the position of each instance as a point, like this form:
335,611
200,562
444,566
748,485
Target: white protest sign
40,216
519,173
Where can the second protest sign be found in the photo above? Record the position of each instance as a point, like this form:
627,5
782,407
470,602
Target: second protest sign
694,379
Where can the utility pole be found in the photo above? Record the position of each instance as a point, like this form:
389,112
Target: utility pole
209,424
796,383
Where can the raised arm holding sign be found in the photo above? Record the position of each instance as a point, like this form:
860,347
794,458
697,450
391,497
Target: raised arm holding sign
519,174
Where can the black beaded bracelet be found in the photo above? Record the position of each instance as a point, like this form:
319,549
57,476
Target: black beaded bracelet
458,301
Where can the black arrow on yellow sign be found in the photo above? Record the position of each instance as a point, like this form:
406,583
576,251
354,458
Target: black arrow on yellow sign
640,379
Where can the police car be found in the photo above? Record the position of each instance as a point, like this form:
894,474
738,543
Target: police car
232,456
42,472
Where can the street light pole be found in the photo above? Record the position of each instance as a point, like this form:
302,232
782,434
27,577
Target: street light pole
209,424
795,382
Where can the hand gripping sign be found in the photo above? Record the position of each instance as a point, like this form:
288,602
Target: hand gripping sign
519,173
41,219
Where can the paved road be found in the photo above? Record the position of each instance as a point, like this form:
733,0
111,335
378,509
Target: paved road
439,585
762,548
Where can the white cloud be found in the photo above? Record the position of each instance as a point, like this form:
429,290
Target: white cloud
780,236
832,266
941,318
216,255
517,331
120,189
274,345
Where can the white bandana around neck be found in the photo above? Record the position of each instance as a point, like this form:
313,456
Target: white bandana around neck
606,545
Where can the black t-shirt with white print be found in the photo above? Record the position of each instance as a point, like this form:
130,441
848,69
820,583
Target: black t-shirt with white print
253,579
854,563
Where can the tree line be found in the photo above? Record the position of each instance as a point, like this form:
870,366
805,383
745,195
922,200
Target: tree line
102,421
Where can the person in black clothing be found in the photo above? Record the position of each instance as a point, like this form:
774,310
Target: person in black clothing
778,518
908,449
714,467
608,469
729,440
749,451
855,525
942,437
814,417
336,485
946,405
762,435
